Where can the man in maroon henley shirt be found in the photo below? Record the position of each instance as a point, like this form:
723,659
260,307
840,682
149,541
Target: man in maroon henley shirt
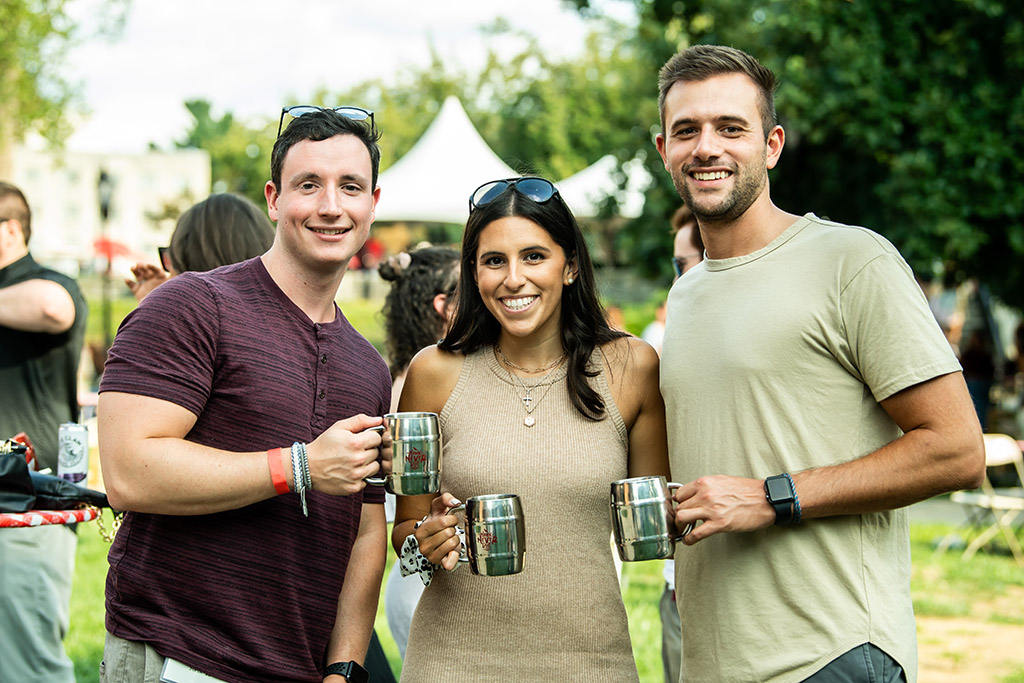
213,567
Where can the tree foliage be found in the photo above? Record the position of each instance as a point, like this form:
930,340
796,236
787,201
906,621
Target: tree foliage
34,38
539,115
903,116
239,154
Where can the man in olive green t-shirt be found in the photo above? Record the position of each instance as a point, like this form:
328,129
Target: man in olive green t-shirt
810,397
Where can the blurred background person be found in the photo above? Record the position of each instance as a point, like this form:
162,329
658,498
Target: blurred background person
687,247
979,367
220,230
42,327
687,252
654,332
416,311
423,282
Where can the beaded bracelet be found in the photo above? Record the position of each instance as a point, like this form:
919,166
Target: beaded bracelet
307,479
300,482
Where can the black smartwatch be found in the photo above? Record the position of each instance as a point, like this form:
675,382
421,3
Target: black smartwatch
352,672
781,496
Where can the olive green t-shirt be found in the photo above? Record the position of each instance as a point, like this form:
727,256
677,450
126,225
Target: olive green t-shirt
775,362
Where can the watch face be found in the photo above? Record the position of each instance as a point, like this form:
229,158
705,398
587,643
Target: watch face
779,489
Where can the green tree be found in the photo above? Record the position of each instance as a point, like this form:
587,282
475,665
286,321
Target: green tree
905,117
239,154
557,117
542,116
35,36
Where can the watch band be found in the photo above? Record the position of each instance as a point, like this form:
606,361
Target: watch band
785,508
352,671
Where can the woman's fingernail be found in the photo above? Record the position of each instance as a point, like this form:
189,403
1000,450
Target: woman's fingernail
456,501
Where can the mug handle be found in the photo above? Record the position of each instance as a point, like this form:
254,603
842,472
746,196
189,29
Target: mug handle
463,555
689,527
375,481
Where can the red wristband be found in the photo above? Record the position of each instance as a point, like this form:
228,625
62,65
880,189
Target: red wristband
277,470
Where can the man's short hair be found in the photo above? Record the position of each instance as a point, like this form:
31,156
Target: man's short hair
14,205
323,125
701,62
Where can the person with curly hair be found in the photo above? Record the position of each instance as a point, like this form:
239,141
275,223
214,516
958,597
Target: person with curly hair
416,309
423,282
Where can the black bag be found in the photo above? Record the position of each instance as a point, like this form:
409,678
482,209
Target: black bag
22,490
17,494
54,493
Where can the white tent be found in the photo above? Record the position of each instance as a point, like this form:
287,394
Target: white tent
434,179
585,191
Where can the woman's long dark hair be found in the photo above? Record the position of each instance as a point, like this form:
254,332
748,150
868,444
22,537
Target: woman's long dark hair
583,325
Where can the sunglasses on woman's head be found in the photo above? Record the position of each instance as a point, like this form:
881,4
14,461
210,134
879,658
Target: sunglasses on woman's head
531,187
349,112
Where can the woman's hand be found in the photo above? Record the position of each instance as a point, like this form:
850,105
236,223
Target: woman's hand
147,278
436,535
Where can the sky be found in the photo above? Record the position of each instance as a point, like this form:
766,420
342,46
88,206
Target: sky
252,58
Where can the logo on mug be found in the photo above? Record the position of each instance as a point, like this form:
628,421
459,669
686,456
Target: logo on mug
486,539
415,458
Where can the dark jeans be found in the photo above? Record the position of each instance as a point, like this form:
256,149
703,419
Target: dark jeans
377,662
863,664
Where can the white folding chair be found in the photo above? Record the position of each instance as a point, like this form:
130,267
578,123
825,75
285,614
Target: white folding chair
993,511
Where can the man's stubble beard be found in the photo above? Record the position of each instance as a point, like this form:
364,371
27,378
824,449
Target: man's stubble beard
734,205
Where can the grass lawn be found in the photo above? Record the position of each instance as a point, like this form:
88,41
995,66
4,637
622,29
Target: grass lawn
941,586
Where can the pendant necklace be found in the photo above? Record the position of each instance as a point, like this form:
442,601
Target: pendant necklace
529,402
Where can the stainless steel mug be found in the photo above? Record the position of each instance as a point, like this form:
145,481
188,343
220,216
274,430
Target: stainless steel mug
413,440
495,534
643,519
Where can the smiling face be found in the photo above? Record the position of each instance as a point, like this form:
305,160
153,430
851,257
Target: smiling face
520,272
326,203
715,147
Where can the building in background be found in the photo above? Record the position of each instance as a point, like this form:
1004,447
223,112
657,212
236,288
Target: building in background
148,191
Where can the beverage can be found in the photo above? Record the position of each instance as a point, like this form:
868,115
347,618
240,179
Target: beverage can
73,452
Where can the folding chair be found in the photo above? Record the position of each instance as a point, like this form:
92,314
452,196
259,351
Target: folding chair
993,511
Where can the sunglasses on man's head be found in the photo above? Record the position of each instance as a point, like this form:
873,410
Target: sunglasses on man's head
539,190
349,112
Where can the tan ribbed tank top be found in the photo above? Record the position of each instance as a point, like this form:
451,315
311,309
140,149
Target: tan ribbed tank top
562,618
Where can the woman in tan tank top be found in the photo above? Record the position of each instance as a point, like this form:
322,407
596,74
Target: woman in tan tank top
539,397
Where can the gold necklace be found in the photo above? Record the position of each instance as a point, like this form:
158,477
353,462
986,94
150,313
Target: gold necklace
509,363
527,398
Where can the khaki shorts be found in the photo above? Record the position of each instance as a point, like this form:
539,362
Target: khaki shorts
126,661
